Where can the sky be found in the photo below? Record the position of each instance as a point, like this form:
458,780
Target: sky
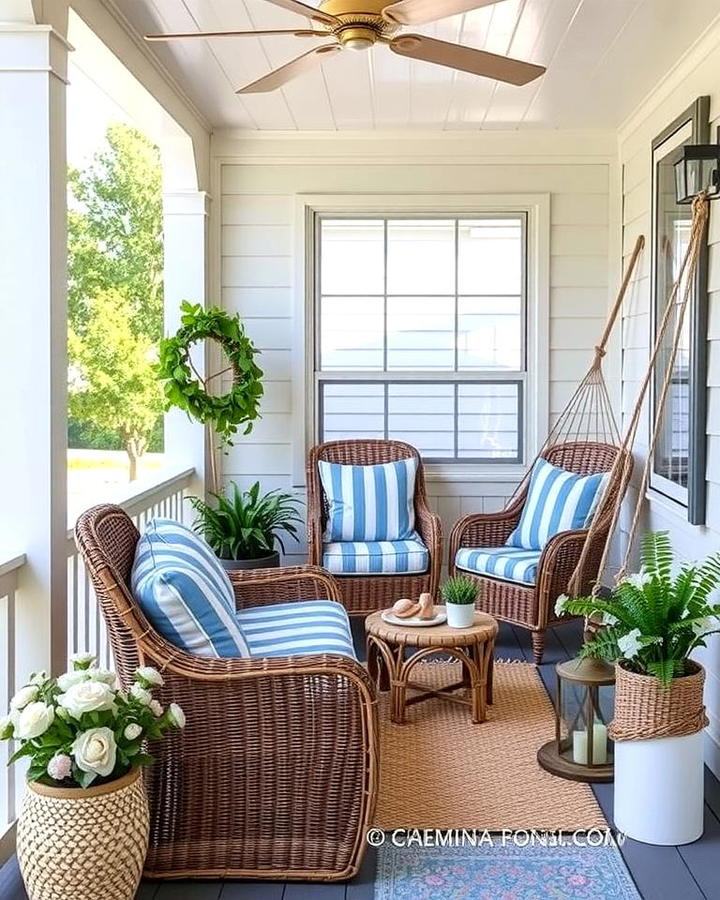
90,111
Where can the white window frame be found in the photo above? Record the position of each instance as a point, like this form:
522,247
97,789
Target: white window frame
535,416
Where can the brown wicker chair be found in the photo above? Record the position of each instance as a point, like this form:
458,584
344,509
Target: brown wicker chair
275,774
366,593
533,606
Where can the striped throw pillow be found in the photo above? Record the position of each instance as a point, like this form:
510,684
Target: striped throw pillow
185,592
369,503
557,501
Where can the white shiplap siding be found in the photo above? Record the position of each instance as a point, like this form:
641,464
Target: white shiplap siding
698,74
257,182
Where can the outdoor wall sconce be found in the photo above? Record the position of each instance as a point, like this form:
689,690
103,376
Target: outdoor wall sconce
697,169
581,750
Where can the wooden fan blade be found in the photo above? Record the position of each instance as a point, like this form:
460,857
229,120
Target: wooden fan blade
291,70
302,9
455,56
181,36
419,12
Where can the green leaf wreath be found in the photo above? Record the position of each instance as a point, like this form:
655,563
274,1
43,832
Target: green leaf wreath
184,387
654,619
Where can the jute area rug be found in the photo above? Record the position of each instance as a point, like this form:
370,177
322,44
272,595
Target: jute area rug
438,770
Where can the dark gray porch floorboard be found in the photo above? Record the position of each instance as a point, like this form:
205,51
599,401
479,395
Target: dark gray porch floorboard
660,873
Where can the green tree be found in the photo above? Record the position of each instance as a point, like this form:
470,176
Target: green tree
115,289
112,380
115,229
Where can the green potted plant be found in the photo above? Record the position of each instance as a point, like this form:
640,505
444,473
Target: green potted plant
459,594
652,622
83,827
242,528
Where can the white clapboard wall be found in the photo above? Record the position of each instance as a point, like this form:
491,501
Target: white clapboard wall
697,75
256,182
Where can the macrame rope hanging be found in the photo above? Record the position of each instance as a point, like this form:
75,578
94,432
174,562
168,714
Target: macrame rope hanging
684,283
588,415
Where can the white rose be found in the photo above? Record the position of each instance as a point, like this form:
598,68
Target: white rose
132,731
149,675
639,579
177,715
104,675
24,696
68,679
34,720
88,696
82,660
156,708
139,693
95,751
561,604
704,626
39,678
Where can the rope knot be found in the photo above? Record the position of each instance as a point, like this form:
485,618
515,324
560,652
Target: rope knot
600,352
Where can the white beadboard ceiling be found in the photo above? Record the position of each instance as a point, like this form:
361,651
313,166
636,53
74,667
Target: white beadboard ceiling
602,56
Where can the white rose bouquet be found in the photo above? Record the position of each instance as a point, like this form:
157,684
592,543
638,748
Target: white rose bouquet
80,728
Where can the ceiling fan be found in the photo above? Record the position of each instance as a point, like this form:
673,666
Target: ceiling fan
360,24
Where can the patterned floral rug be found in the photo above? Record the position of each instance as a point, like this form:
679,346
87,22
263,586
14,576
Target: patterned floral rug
503,872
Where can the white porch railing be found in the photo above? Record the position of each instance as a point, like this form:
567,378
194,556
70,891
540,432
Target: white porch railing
86,629
8,674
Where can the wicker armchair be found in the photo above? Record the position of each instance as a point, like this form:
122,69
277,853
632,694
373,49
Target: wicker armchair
366,593
275,774
533,606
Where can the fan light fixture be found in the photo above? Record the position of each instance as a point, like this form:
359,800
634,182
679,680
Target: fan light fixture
377,22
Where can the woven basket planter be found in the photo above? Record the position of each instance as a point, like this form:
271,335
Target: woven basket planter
645,709
659,796
75,844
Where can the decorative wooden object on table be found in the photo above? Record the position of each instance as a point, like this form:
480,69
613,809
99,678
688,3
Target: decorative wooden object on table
389,667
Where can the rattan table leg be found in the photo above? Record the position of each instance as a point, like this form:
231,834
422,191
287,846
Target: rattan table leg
490,673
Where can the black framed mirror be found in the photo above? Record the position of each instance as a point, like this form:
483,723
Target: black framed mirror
679,461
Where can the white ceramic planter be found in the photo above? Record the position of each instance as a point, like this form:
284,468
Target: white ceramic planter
659,789
460,615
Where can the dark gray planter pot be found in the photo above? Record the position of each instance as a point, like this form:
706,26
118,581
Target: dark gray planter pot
272,561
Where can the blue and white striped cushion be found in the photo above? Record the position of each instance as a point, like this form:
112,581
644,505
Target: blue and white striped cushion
376,557
297,629
369,503
500,562
556,501
185,592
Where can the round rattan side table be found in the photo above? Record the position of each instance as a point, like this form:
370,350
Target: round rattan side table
391,667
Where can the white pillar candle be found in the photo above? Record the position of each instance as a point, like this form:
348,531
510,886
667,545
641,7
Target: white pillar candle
599,744
580,746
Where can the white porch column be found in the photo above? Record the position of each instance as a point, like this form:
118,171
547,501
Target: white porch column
186,262
33,357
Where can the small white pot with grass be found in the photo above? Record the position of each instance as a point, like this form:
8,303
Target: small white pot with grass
459,594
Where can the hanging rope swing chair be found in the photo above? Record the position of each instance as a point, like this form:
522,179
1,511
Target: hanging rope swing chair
585,439
682,288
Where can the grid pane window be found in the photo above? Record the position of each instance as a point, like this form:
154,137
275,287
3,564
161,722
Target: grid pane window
420,333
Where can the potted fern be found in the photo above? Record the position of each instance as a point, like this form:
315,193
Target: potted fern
653,621
243,527
459,594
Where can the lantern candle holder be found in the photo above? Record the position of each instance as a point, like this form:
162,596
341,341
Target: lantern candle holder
581,750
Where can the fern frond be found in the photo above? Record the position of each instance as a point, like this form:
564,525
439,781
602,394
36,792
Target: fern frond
657,554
